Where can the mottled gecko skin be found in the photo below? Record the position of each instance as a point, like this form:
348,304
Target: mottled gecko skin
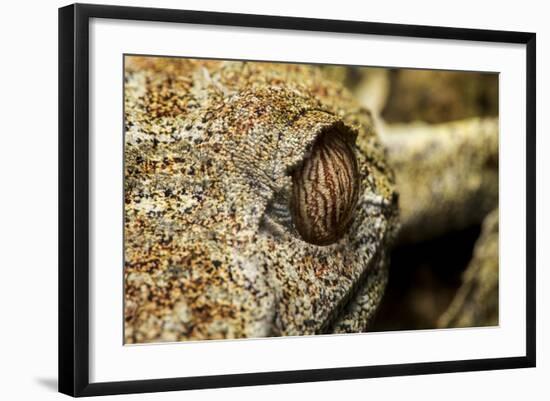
210,248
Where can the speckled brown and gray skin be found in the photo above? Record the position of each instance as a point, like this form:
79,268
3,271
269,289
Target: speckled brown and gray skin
476,302
446,174
210,250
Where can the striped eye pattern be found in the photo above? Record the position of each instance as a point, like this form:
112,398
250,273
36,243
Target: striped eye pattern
325,190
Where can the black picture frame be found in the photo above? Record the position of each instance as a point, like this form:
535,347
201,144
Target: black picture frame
74,194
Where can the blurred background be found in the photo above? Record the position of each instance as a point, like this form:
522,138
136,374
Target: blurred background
437,281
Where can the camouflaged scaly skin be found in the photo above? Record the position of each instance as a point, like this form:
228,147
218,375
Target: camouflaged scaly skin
210,249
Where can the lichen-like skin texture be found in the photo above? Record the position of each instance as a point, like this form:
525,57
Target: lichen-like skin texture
210,248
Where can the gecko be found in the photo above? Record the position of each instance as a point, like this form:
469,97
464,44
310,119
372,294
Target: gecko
260,200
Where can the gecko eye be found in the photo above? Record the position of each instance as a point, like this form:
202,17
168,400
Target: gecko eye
325,189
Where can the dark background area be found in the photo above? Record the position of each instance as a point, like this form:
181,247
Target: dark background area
423,279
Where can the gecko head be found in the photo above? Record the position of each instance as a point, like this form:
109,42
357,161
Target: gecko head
276,199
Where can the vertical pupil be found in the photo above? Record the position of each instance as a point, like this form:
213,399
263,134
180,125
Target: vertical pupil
325,190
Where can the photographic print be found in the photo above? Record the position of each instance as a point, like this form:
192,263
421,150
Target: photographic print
276,199
287,199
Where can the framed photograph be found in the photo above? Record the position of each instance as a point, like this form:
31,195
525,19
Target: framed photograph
250,199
